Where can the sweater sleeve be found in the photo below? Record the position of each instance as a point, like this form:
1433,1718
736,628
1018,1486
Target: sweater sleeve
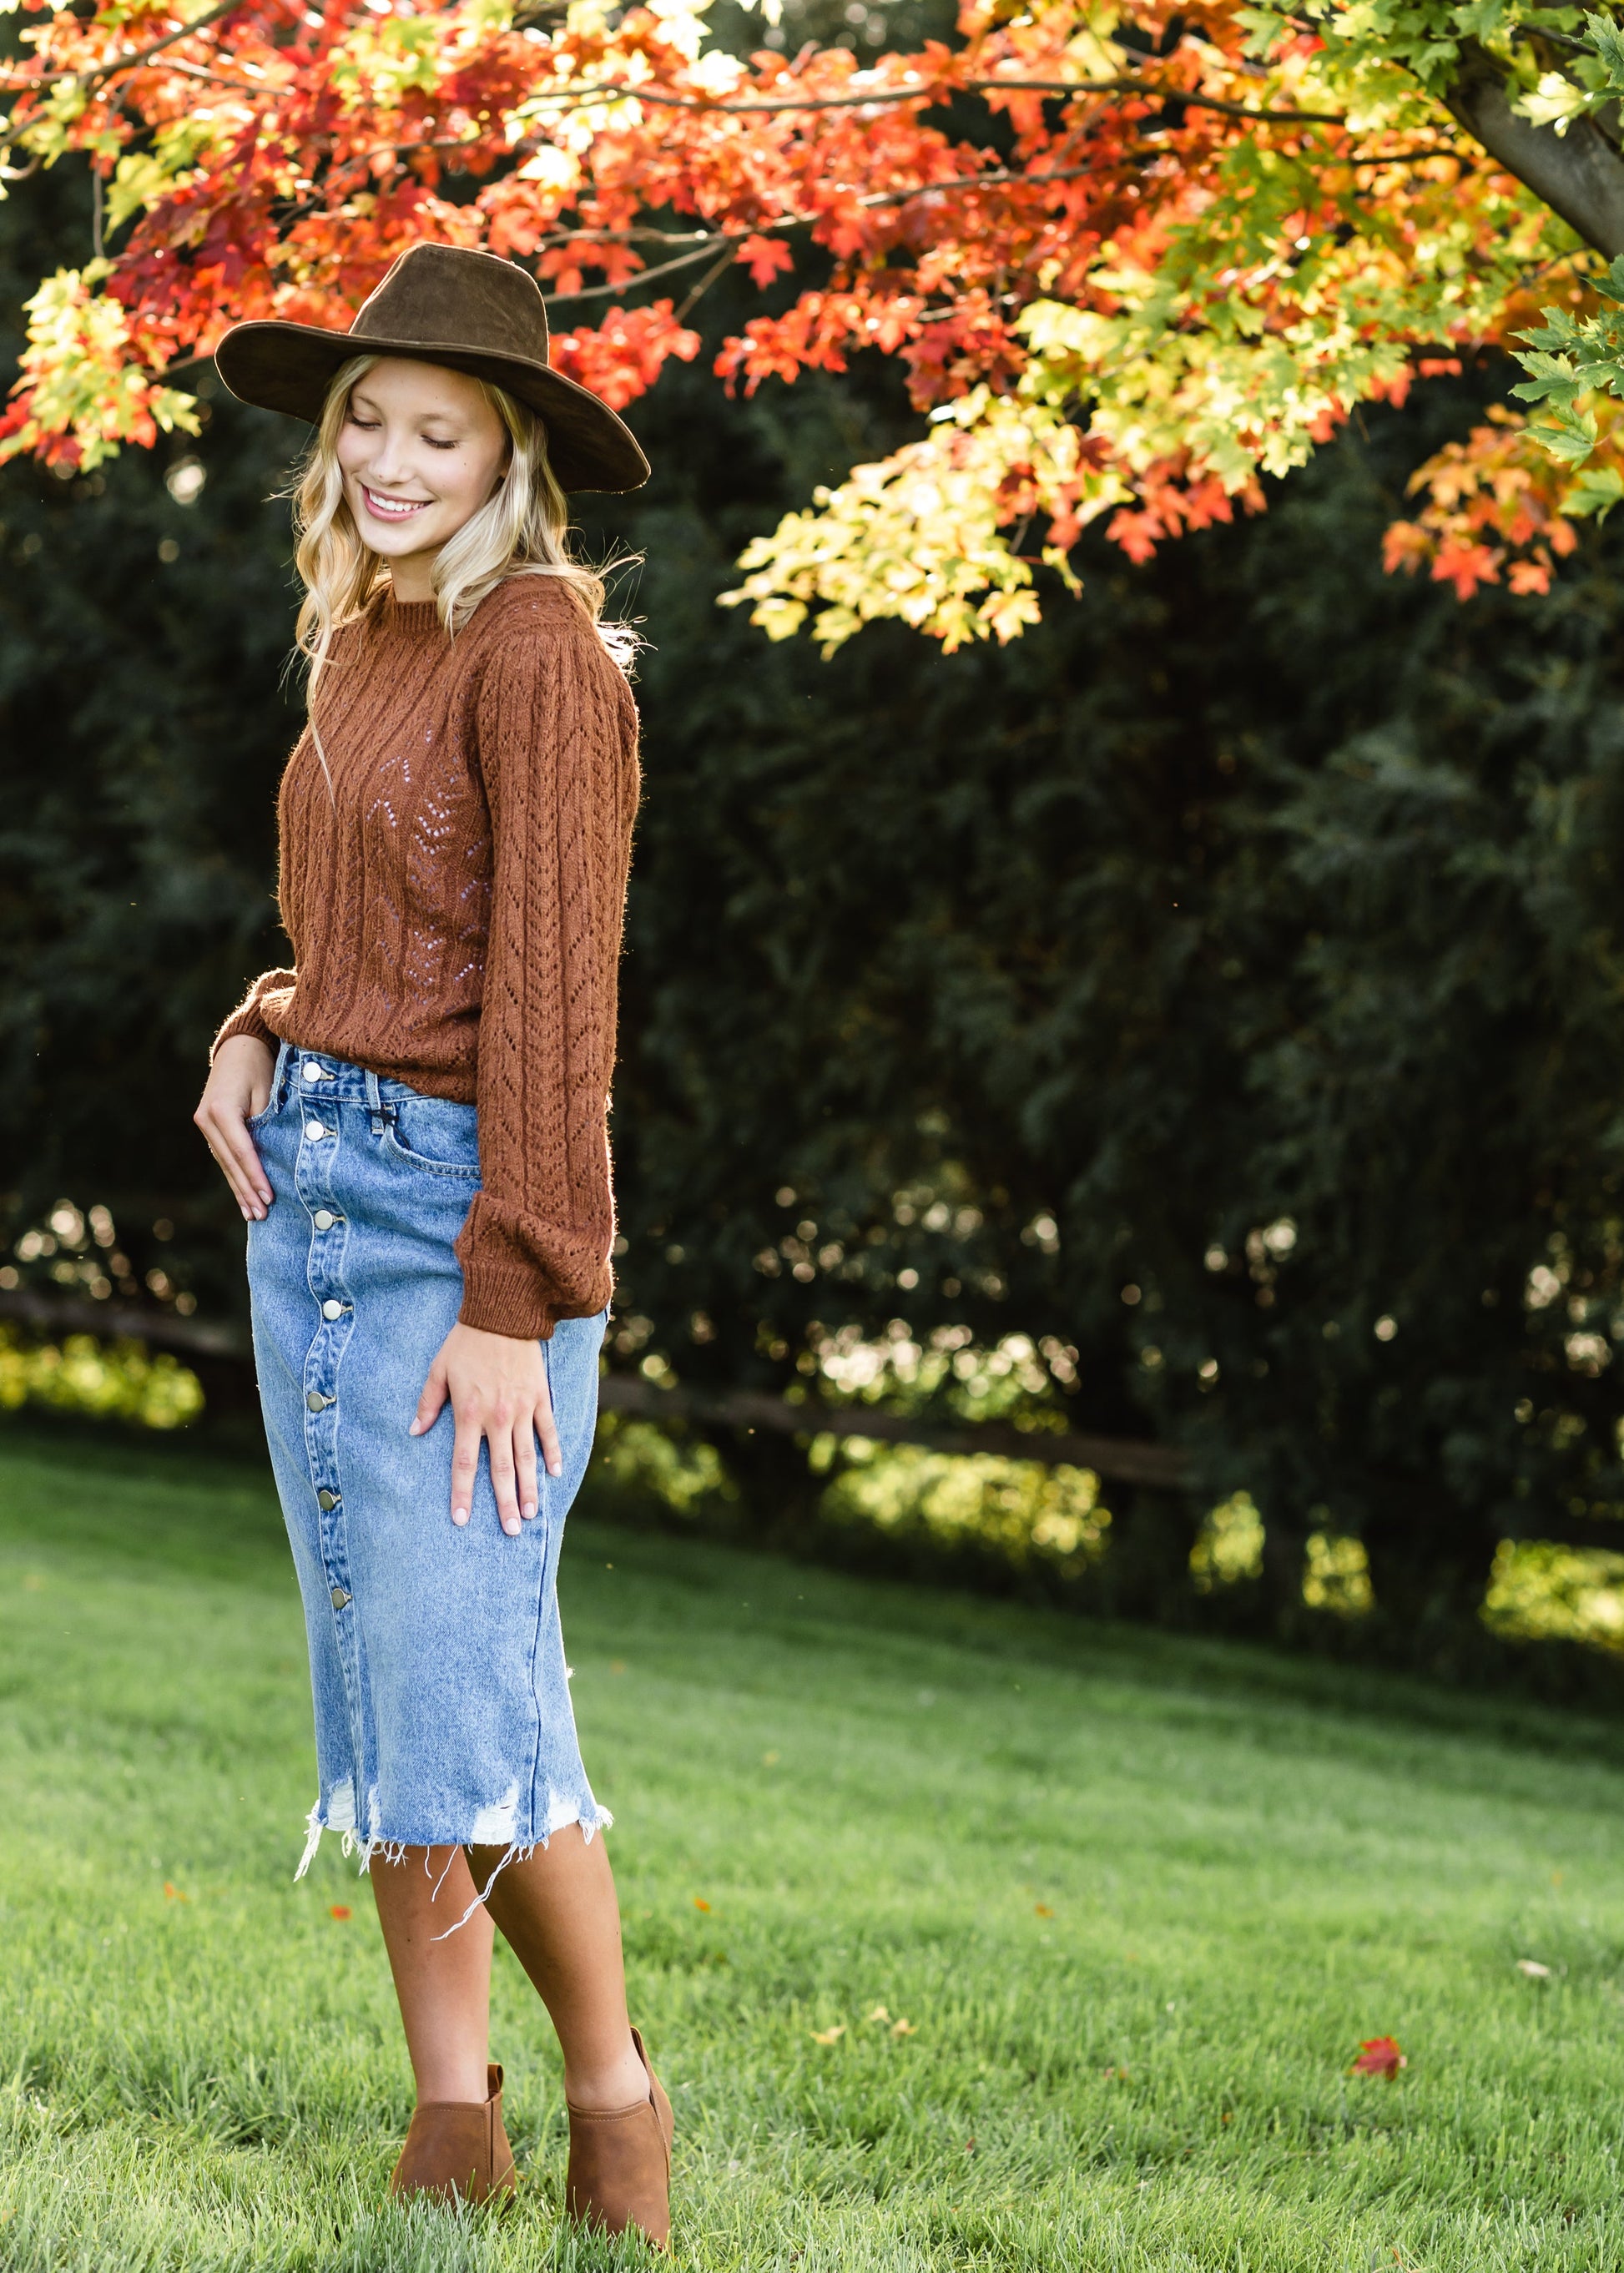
247,1018
556,739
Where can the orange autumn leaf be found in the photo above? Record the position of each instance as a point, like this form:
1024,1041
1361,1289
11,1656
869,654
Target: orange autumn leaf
1379,2056
339,1910
173,1893
700,1903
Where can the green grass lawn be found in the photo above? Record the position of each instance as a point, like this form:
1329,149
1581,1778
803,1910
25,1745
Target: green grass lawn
1138,1899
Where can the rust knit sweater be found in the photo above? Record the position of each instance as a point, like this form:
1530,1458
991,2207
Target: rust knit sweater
456,906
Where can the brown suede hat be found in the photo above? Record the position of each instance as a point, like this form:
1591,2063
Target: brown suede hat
444,304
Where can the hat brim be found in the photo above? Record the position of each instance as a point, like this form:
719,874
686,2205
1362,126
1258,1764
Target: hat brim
289,367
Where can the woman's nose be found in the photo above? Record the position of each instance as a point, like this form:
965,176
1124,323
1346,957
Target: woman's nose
387,464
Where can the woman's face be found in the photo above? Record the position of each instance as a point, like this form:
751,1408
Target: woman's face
421,450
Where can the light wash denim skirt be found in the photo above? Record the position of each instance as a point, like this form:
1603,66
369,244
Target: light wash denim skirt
436,1657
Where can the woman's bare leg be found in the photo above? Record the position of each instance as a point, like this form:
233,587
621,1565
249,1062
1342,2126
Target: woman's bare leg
558,1912
444,1987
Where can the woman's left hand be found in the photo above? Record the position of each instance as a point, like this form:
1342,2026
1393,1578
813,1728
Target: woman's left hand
498,1388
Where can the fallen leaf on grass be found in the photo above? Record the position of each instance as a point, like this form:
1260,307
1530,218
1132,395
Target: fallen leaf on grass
1534,1969
878,2014
903,2029
339,1910
699,1904
770,1759
1379,2056
829,2036
174,1894
1041,1910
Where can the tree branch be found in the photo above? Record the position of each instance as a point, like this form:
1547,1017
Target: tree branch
124,62
932,92
1579,174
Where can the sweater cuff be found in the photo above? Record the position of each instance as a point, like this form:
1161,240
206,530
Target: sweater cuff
245,1021
499,1299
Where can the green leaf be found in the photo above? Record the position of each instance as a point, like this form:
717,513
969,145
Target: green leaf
1568,435
1595,492
1607,42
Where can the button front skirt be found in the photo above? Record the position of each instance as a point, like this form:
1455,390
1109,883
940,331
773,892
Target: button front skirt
437,1660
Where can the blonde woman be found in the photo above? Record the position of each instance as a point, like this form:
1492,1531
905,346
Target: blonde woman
412,1121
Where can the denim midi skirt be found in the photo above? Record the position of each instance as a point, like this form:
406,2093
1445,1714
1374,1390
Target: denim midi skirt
436,1657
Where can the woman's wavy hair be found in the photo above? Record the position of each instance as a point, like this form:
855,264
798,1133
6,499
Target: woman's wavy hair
522,530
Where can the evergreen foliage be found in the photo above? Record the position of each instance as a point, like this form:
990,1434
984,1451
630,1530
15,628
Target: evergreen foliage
1218,988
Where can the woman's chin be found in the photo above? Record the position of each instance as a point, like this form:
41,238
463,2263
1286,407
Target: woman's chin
395,540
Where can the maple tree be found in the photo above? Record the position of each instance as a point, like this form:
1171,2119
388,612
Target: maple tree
1132,259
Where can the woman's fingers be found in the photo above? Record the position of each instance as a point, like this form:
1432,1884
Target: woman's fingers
496,1385
432,1398
547,1428
525,1466
465,1461
227,1138
499,1434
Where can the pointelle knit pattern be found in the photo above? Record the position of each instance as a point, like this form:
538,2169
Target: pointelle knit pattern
455,905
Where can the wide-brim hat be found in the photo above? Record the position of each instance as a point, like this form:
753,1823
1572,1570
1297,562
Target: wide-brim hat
444,304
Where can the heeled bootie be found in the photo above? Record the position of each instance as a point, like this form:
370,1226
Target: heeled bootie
457,2149
619,2163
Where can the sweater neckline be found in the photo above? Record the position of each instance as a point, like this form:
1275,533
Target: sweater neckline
413,618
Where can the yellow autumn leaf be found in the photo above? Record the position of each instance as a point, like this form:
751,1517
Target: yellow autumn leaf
829,2036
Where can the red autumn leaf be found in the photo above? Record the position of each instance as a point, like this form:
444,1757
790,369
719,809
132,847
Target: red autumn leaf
1379,2056
339,1910
765,258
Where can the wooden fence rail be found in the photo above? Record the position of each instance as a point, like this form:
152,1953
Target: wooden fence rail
1120,1459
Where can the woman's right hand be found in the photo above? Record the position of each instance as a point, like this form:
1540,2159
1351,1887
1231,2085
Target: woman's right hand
238,1085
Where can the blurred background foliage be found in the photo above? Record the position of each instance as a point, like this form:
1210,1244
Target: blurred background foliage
1199,1021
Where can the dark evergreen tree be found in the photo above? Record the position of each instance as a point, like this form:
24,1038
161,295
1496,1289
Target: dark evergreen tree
1221,984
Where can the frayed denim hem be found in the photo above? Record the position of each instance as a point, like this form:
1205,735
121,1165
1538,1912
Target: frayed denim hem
338,1816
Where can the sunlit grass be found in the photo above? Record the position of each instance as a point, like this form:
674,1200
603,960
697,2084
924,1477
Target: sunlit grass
1138,1899
1025,1514
104,1380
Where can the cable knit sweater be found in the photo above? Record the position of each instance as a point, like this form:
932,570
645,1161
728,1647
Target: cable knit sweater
454,905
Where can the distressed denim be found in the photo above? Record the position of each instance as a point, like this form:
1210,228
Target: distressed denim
437,1660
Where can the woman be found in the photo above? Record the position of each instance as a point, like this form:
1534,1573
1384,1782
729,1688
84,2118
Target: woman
412,1121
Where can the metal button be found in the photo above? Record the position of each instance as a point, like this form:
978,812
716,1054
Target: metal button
339,1598
316,1402
331,1309
325,1219
326,1502
315,1130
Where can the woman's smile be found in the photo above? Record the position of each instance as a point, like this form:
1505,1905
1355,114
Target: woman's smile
388,508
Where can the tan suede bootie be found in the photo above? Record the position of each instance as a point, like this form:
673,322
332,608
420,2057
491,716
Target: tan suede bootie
619,2163
457,2149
